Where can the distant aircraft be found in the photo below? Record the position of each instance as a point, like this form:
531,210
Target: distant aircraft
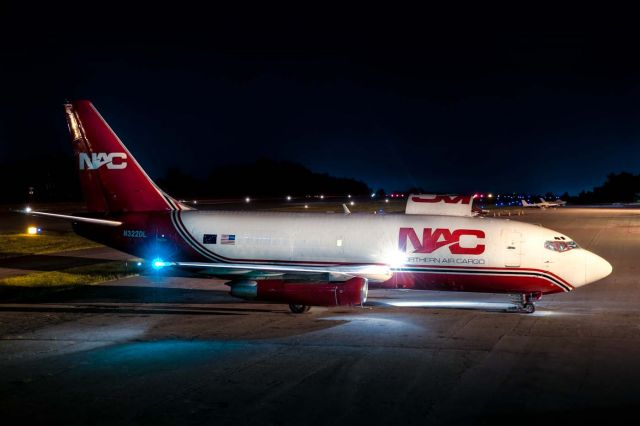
525,203
556,203
544,204
308,259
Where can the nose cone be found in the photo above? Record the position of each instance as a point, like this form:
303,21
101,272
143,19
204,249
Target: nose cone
596,268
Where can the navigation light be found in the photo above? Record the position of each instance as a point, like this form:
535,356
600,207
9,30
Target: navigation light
158,263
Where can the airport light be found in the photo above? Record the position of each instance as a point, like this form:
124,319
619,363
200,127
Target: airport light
33,230
247,200
386,200
322,197
306,206
349,196
27,210
352,203
288,197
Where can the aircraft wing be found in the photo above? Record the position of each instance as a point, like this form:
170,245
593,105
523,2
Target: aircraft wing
372,272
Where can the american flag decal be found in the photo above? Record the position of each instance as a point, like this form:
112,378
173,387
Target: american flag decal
227,239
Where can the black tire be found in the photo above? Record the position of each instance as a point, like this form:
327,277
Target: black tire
299,309
529,308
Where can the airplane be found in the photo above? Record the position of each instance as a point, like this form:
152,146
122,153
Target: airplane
525,203
556,203
543,204
309,259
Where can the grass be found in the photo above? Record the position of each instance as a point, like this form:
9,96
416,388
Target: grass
81,275
12,245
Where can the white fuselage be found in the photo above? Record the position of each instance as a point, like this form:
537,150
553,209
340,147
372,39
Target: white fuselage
408,243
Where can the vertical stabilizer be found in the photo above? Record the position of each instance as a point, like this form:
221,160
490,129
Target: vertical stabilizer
111,178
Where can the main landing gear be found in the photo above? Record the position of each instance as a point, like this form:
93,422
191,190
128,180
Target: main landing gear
299,309
524,303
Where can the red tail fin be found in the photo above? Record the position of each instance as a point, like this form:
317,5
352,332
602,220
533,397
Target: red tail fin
112,180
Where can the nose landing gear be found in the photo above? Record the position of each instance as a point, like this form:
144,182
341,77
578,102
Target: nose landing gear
524,303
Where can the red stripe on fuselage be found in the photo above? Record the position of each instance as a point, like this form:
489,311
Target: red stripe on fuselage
470,282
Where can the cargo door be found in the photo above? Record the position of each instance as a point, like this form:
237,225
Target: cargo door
512,247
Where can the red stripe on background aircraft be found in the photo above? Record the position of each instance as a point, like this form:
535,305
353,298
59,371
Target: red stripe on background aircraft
306,259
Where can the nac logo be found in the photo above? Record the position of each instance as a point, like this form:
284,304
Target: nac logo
447,199
434,239
113,160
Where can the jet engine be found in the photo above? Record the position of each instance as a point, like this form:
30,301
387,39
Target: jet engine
440,204
348,293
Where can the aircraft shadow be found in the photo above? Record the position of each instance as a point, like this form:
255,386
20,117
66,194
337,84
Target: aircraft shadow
106,298
46,262
121,311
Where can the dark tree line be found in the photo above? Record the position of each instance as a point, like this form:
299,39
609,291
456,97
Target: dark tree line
40,178
264,178
55,178
618,188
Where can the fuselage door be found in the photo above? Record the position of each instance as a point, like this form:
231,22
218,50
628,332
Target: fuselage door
511,247
340,245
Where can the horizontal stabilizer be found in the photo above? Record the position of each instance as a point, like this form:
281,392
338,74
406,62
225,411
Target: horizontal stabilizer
95,221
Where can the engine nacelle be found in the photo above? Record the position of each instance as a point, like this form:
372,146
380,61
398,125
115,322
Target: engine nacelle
347,293
440,204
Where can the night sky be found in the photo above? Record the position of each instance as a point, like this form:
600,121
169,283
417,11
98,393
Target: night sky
397,100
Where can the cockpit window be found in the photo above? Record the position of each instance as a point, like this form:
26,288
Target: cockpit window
560,246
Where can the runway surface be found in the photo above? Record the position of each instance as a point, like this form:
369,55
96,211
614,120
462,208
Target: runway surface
152,350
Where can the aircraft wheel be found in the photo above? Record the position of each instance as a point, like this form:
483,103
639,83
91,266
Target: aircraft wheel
299,309
523,303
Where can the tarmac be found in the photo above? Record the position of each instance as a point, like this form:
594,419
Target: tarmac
161,350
